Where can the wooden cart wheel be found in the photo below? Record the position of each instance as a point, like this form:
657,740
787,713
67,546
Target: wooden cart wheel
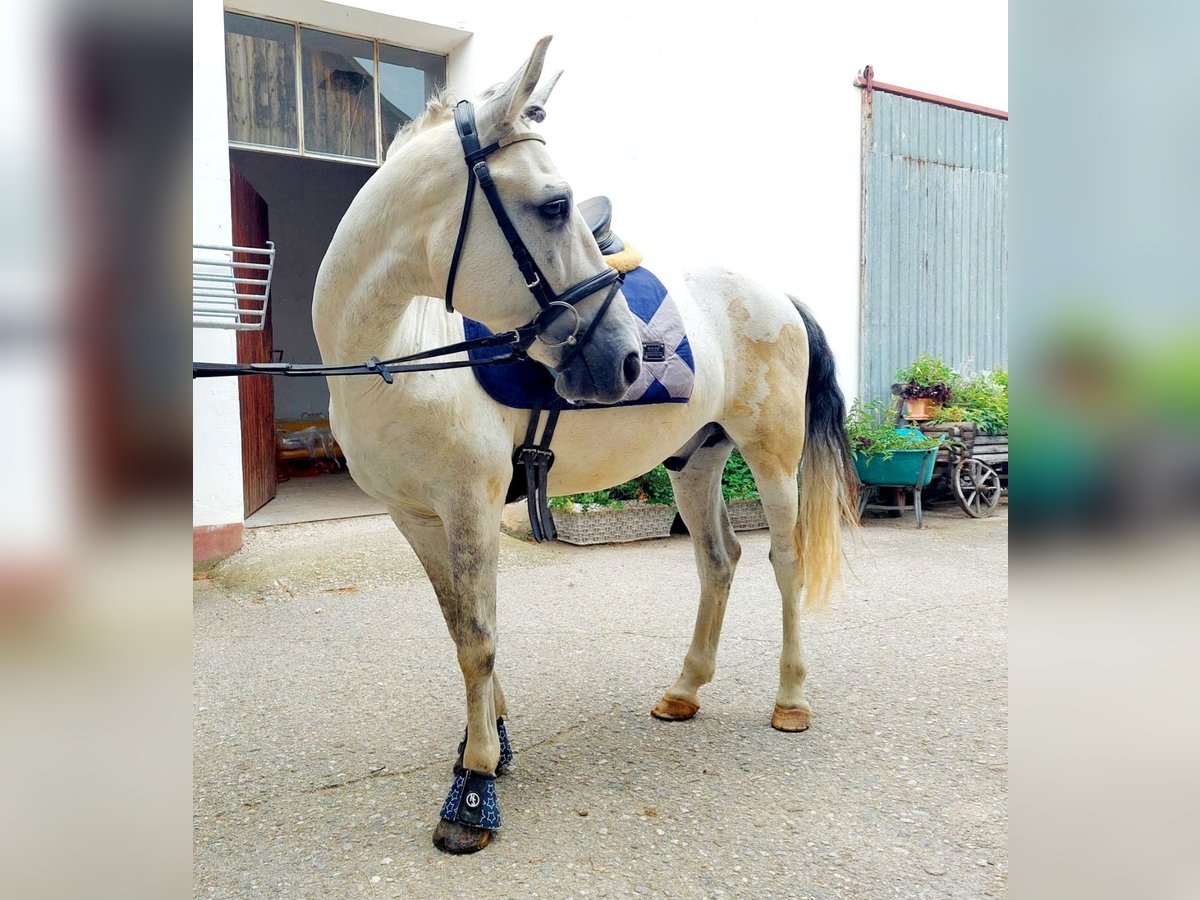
976,487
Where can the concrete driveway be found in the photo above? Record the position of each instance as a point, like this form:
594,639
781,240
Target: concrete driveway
328,706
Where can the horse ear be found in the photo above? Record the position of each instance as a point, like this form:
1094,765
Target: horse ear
506,105
535,109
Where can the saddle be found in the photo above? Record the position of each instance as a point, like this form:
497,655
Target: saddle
597,212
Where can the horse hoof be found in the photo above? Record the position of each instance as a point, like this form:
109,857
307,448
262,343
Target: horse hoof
452,837
790,719
674,709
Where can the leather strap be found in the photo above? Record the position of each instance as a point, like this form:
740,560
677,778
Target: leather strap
537,459
462,239
577,345
534,280
518,341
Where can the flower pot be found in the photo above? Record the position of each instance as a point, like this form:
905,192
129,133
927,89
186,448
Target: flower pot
632,521
919,409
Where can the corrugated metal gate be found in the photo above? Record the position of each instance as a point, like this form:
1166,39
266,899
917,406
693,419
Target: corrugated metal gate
934,234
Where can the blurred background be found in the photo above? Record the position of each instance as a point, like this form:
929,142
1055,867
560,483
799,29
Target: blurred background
1106,491
95,663
95,646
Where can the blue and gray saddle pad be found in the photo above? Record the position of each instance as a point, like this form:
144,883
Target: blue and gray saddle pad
668,369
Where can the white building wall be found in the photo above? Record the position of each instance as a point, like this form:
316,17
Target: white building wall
730,138
216,420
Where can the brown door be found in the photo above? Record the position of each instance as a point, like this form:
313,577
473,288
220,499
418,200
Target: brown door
257,392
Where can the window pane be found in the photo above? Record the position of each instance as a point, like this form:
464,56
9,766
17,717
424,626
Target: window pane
407,79
339,94
260,75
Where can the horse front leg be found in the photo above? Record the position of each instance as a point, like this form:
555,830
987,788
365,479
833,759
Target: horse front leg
460,554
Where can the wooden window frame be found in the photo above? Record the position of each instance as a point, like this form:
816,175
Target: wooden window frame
301,150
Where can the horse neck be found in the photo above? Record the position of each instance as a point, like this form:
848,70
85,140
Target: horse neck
368,298
364,302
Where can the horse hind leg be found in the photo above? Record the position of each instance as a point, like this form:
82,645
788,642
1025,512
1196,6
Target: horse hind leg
775,477
698,494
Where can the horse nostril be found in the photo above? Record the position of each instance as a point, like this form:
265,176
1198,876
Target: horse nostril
633,366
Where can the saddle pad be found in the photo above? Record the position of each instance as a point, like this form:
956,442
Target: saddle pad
668,369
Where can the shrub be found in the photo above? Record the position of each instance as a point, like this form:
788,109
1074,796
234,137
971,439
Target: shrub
926,370
737,483
982,399
652,487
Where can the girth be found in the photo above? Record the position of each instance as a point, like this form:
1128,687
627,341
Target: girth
533,459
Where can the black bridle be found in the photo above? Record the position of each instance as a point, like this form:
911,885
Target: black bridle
517,341
553,305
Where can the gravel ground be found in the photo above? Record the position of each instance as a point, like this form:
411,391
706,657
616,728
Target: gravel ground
328,705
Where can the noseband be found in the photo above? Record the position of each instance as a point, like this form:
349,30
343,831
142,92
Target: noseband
553,305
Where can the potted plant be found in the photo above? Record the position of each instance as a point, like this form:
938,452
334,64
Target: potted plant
924,387
641,508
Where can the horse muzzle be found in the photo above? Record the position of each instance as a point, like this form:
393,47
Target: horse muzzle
603,370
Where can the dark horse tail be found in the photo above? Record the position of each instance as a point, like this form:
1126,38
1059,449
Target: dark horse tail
828,482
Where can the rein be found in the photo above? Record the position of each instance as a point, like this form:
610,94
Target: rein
553,305
517,340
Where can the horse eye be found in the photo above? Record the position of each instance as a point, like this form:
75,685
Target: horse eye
556,209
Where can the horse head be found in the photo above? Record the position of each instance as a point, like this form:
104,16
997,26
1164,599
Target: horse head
590,340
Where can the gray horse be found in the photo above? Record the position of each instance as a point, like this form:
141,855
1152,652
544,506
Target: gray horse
438,451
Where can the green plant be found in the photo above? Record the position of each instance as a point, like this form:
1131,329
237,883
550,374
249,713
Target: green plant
949,414
737,483
870,431
926,370
589,498
652,487
983,399
656,485
929,378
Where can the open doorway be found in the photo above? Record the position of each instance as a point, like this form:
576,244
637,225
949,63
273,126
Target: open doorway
305,200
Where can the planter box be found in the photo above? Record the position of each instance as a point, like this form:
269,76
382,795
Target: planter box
610,525
746,514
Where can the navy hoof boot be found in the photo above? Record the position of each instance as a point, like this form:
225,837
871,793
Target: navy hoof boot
506,750
470,814
472,800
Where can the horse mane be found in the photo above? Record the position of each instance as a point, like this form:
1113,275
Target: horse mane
439,109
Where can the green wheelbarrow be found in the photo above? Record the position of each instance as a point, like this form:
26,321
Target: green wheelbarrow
900,470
